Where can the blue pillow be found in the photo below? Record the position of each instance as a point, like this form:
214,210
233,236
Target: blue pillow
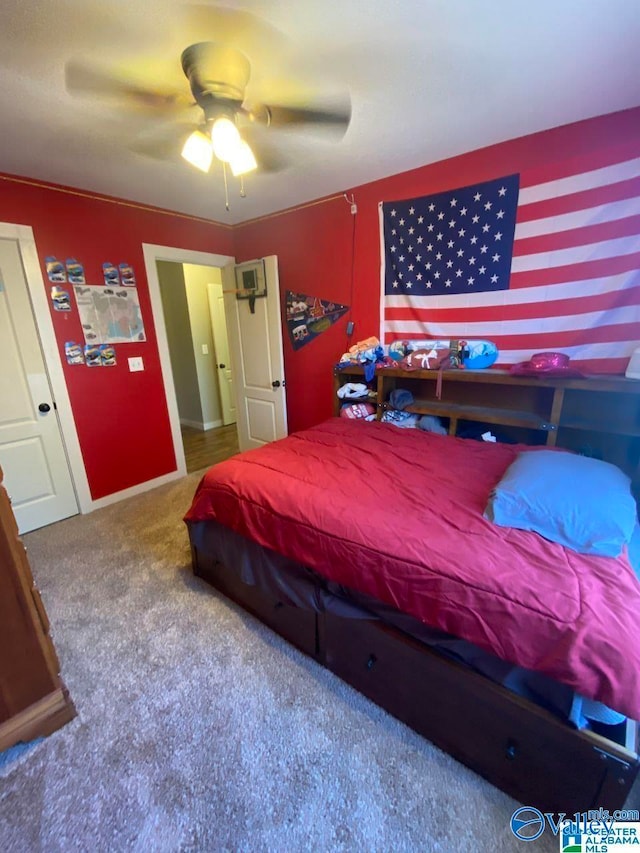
579,502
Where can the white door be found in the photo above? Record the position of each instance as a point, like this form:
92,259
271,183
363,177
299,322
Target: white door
32,455
255,344
221,352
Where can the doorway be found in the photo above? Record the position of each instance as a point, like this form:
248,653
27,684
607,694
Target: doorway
255,338
195,326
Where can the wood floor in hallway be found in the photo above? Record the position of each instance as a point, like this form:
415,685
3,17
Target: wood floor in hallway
203,448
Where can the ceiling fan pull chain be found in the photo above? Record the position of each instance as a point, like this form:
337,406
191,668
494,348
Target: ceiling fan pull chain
242,192
226,188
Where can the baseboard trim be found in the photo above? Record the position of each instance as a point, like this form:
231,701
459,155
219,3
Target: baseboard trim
200,425
107,500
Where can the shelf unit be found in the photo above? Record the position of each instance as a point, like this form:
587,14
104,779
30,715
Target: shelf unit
597,416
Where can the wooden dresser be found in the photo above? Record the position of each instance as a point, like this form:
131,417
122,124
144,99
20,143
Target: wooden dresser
33,699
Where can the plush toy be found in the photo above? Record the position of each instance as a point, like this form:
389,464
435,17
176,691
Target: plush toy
368,353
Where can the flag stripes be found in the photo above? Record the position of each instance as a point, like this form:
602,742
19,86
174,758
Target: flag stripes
574,284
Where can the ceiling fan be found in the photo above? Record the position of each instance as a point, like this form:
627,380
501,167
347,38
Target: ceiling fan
215,117
218,76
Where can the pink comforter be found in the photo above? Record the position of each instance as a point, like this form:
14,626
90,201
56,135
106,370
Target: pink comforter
398,514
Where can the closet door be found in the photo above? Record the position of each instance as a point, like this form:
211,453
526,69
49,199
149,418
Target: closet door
31,449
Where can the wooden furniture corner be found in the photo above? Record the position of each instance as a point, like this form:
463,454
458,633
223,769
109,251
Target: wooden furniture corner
33,699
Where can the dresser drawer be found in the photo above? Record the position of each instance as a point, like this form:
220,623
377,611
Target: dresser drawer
517,746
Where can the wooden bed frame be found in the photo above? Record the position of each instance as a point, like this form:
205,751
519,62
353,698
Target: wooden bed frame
519,747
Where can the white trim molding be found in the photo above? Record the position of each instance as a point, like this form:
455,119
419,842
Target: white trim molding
152,254
139,489
23,235
203,427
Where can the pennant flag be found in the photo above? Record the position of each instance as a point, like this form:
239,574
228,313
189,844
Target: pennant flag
309,316
532,265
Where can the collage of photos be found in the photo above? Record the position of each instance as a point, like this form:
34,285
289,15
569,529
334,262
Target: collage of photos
109,313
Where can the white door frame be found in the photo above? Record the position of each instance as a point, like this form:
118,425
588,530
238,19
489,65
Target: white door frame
23,235
152,254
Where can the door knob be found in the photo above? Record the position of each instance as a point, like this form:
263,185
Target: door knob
44,408
276,383
222,365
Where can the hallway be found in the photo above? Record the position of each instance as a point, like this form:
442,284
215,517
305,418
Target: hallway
203,448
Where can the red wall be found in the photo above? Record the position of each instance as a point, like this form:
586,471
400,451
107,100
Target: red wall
314,249
313,244
121,417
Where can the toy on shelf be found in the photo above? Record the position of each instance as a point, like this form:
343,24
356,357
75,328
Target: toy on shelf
369,353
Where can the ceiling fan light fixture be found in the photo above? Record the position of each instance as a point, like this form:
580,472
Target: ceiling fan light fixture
225,138
243,160
198,151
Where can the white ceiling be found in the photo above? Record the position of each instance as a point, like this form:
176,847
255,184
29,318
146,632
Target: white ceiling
427,79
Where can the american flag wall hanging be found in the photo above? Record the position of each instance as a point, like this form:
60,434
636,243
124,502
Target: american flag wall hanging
532,266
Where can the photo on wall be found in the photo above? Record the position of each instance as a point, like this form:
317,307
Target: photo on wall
75,271
310,316
110,315
56,270
60,299
74,353
127,275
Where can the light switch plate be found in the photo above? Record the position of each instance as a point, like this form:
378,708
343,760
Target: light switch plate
205,349
136,364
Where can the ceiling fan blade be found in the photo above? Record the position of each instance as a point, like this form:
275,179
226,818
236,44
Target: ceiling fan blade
165,143
336,117
269,157
85,79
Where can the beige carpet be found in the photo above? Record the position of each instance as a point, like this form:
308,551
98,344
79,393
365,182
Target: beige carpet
200,730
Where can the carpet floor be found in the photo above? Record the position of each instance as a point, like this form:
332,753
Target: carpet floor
198,729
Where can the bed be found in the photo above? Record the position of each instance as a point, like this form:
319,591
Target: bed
368,547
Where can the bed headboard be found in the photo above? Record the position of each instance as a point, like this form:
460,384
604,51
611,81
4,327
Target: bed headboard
597,416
